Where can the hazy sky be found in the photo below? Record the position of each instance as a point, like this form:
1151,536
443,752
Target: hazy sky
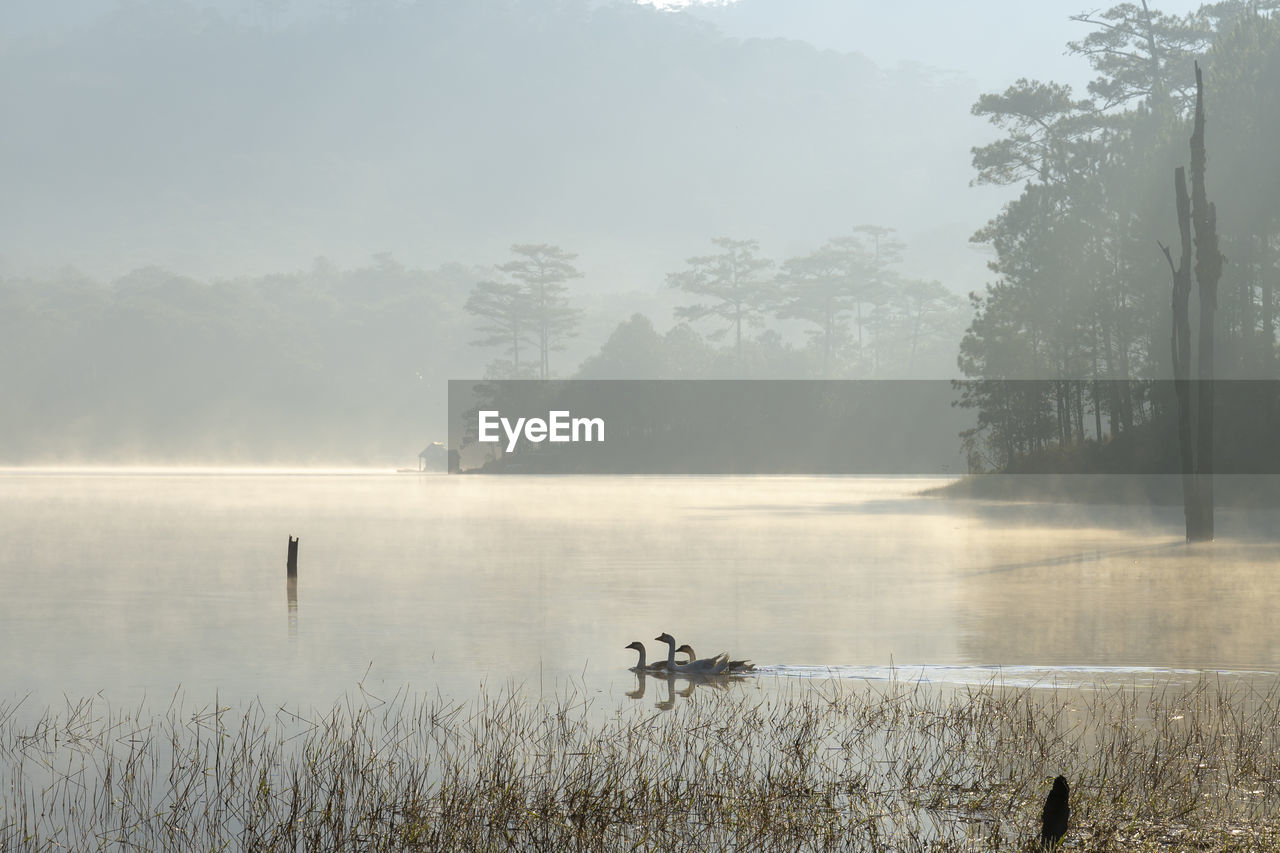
994,41
991,43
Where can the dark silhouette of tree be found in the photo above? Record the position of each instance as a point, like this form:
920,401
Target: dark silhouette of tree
923,310
1196,402
735,284
851,280
543,272
1140,53
820,288
1078,300
1246,124
504,310
883,252
635,350
1180,342
1041,121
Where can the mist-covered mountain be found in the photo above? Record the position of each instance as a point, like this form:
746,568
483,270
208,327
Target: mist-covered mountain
235,239
993,42
444,131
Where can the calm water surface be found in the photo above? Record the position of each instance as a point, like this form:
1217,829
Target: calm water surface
144,583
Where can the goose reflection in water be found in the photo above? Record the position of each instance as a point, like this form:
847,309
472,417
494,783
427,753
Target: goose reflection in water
670,701
692,682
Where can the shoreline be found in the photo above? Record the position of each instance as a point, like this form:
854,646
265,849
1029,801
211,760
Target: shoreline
1231,490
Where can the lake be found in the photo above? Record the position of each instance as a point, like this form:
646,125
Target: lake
146,583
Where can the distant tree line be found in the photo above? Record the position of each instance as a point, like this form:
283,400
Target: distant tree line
328,363
1082,296
314,366
862,318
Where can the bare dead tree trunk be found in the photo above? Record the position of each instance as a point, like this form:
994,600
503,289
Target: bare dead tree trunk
1204,216
1267,267
1180,343
1195,402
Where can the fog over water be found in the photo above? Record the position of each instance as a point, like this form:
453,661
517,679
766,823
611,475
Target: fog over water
138,583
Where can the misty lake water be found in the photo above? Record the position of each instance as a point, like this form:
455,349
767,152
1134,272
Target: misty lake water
134,584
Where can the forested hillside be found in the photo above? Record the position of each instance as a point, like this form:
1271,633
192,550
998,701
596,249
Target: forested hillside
1083,291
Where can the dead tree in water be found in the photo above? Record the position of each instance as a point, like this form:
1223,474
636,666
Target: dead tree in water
1181,342
1195,401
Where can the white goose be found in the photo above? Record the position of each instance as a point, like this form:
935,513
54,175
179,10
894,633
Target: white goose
706,666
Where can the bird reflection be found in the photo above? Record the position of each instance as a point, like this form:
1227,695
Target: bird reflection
692,683
671,699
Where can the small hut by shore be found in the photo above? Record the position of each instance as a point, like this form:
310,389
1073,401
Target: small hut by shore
434,457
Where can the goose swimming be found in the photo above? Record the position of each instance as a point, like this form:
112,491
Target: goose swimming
706,666
734,666
656,666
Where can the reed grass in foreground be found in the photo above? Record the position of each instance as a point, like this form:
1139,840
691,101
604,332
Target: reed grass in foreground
816,767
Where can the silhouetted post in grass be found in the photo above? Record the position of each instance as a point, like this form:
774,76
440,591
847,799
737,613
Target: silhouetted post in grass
1057,811
293,558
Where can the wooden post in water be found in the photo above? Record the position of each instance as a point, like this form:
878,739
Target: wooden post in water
293,558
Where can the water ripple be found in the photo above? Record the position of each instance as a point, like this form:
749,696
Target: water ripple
1071,677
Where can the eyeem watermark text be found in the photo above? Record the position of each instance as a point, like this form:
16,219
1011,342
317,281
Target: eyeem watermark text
558,427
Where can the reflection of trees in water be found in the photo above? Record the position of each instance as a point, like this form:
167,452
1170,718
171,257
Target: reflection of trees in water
1109,601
